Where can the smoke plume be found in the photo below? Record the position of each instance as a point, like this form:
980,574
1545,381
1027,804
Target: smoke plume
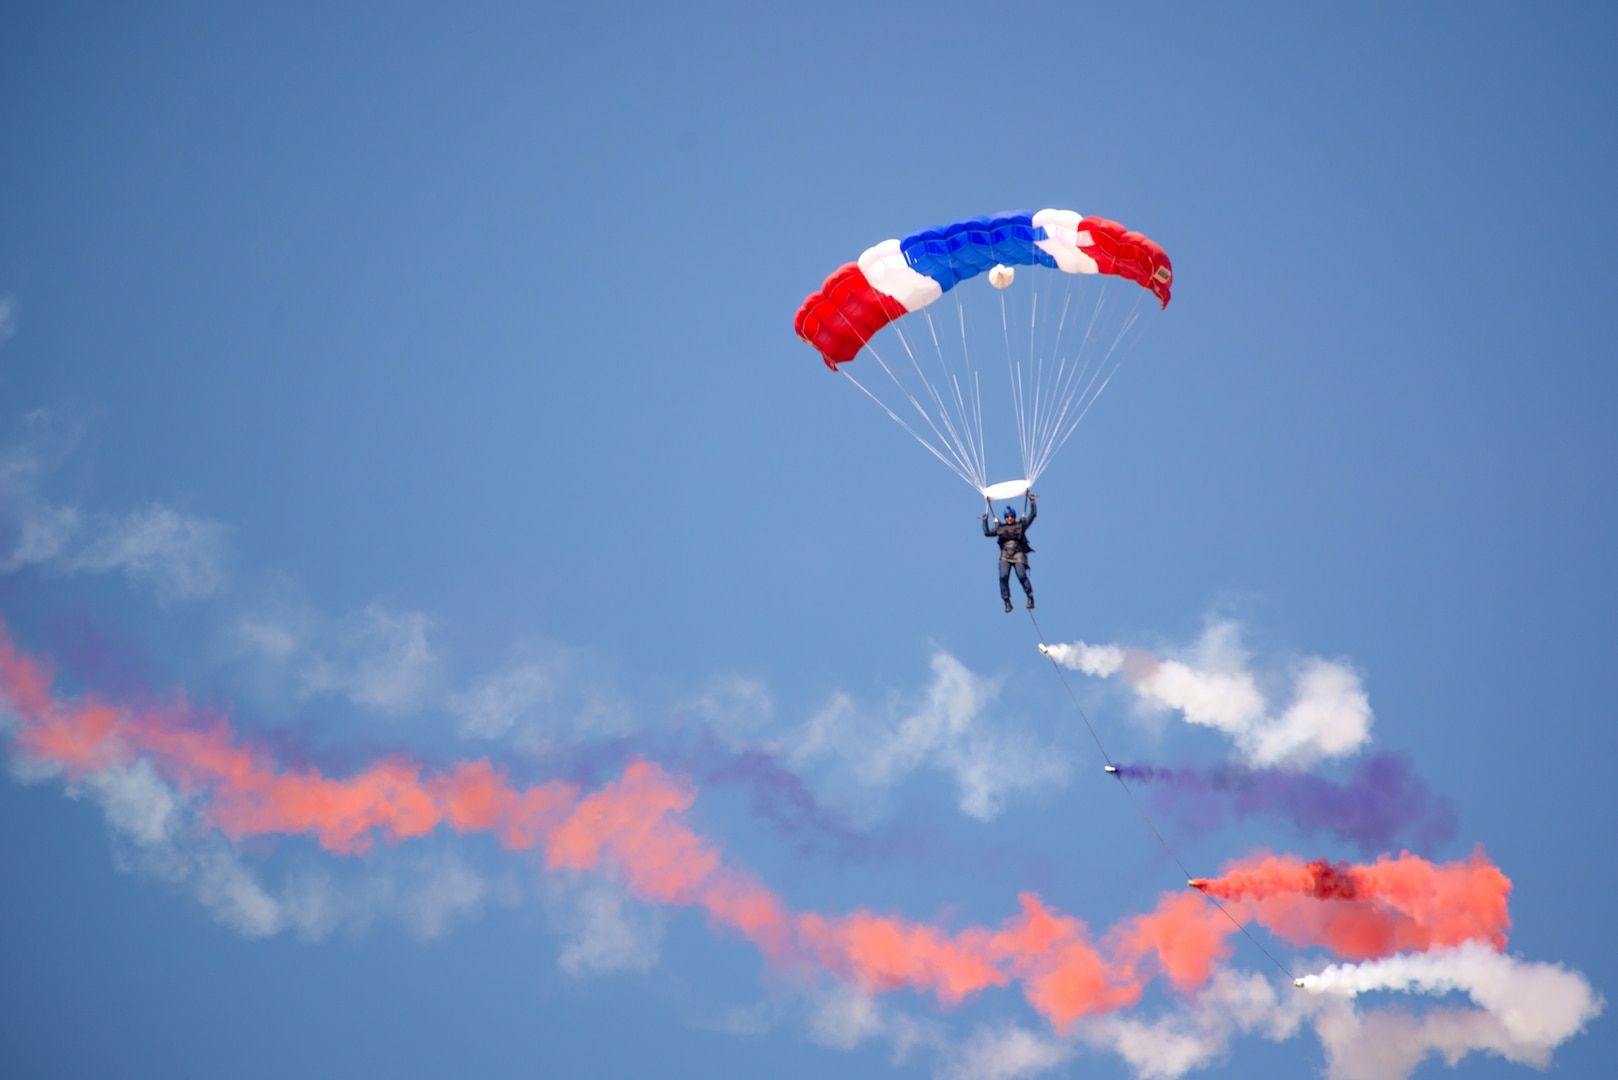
1328,716
633,830
1381,800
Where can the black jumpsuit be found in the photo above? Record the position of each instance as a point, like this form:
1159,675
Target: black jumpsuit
1014,550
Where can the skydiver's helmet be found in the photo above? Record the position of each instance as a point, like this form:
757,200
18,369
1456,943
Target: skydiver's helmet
1010,515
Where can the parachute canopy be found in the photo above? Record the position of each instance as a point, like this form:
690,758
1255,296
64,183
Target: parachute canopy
1058,359
897,277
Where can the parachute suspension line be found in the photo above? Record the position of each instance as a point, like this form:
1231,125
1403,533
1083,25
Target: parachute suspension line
897,419
1053,397
964,444
960,447
964,458
1078,387
952,443
1056,345
1019,399
955,449
1112,769
1067,388
1091,402
977,406
1016,402
1026,419
1049,398
977,392
1128,324
1036,366
1044,394
1019,396
949,375
1029,389
961,463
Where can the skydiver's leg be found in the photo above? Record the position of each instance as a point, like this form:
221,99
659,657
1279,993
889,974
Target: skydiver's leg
1005,583
1027,586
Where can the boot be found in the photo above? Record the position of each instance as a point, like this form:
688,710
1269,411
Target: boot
1030,601
1008,607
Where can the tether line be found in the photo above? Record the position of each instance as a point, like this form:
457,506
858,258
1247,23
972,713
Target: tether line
1112,769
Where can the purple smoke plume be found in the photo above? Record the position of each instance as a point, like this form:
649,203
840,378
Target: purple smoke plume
1381,801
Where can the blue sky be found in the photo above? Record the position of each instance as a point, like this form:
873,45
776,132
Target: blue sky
412,381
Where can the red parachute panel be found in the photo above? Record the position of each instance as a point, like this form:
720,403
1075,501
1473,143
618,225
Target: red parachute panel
1130,255
844,314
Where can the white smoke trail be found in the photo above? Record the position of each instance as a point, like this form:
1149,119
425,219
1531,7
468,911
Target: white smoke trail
1538,1005
1328,716
1527,1011
1097,660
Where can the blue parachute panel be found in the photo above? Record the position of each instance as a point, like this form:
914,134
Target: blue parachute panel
964,249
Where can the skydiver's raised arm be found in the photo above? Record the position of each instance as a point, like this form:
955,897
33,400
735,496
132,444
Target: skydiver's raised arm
991,527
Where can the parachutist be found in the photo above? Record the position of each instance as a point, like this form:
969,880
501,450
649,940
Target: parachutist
1014,550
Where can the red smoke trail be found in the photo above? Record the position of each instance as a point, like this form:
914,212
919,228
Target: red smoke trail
631,822
635,826
1391,905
